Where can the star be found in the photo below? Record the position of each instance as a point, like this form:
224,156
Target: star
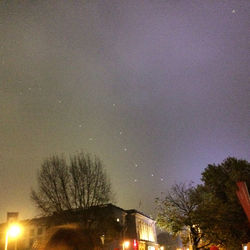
120,132
90,139
125,149
152,175
233,11
113,104
161,179
135,180
59,101
136,165
80,125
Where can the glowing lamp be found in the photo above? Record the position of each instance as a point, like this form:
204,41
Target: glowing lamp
135,243
14,231
126,244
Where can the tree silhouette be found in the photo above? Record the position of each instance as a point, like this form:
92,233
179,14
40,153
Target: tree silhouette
78,185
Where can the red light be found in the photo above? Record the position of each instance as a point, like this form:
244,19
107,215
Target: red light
135,244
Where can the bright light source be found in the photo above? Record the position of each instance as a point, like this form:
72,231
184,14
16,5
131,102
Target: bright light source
14,231
126,244
151,248
162,248
135,243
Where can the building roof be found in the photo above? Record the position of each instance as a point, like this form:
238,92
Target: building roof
108,205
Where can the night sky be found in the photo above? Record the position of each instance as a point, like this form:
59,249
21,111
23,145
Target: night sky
156,89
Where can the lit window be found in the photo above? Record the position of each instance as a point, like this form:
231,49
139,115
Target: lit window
151,248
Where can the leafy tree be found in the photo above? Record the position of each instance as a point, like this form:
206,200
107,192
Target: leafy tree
79,184
219,213
177,214
211,212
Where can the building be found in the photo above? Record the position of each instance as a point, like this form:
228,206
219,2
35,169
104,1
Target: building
112,226
141,228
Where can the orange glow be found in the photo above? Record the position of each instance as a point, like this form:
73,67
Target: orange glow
126,244
14,231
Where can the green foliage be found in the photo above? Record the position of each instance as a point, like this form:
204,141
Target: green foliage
222,218
177,213
211,212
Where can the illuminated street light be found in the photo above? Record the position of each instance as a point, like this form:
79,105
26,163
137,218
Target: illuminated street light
13,231
125,245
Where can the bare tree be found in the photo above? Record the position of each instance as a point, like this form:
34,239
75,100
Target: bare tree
177,214
80,184
90,185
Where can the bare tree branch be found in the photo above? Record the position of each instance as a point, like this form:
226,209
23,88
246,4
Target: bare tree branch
80,184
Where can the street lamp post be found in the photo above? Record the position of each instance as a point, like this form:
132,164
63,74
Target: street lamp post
13,231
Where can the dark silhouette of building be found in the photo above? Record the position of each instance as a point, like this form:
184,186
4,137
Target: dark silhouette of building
111,227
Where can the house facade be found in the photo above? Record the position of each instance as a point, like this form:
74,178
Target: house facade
114,228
